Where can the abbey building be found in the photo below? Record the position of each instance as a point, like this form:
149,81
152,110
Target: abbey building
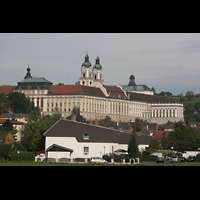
96,100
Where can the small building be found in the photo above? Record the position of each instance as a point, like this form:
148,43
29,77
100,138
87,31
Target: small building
71,139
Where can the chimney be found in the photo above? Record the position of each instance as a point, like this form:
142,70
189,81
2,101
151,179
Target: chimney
96,123
147,127
73,118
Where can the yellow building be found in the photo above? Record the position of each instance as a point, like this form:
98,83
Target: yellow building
18,120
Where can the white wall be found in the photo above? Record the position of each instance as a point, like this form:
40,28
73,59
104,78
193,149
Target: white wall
95,149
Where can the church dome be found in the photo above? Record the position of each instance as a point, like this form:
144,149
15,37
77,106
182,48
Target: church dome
132,76
97,64
86,64
132,80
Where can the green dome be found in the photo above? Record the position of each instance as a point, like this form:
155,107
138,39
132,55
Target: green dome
86,64
97,64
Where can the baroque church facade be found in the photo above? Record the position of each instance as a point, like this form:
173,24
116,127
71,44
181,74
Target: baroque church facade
96,100
91,76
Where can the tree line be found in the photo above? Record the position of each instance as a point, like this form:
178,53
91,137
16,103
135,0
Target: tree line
183,138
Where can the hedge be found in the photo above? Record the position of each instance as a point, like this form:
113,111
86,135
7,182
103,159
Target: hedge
197,158
22,156
149,157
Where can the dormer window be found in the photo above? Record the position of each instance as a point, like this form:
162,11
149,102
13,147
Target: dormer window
86,136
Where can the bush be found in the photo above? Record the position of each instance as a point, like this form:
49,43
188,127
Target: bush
5,149
22,156
107,158
149,157
198,157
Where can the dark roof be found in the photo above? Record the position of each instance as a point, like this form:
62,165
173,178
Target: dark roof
123,125
56,147
68,128
13,115
150,98
143,138
115,92
152,126
75,89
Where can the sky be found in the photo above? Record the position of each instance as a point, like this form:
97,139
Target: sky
166,61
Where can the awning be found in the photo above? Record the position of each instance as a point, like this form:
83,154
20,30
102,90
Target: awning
56,147
120,150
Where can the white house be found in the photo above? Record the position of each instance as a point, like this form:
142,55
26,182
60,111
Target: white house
71,139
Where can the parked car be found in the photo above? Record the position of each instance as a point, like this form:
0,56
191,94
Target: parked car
160,159
182,159
98,160
191,159
174,159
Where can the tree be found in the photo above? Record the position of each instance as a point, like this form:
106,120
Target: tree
107,122
9,139
133,147
154,144
36,141
154,90
7,125
34,115
19,103
79,117
30,129
2,100
197,106
189,109
189,95
181,99
4,107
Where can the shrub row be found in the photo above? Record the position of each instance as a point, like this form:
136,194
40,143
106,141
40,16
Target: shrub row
149,158
22,156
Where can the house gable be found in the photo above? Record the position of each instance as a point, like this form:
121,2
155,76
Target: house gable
97,134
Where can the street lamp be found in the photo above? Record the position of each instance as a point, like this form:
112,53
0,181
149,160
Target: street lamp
104,149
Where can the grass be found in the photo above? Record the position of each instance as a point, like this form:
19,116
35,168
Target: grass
193,101
62,164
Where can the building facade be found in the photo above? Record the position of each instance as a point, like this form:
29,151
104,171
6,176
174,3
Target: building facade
97,100
91,76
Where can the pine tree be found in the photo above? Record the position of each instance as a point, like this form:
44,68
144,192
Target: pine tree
35,140
133,147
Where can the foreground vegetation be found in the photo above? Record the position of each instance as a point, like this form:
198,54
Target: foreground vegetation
94,164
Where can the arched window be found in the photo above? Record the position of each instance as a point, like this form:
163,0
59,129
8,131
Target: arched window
83,82
83,75
95,77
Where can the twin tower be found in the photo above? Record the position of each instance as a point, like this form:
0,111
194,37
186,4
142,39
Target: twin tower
91,76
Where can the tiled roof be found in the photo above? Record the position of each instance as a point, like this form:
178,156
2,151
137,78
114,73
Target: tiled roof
7,89
151,98
14,122
115,92
96,133
158,134
75,89
169,125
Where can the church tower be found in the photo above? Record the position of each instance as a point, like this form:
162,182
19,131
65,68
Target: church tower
91,76
97,72
86,72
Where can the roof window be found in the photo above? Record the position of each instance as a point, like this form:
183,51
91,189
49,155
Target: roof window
86,136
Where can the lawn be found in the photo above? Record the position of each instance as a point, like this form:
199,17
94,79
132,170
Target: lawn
62,164
193,101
